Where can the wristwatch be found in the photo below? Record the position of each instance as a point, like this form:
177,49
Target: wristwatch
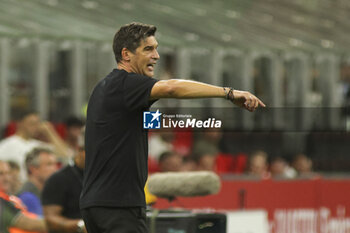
80,226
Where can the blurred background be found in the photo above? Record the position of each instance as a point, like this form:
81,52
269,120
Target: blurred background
294,55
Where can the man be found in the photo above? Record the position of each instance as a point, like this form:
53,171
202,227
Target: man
170,161
29,127
15,180
112,198
280,168
12,215
41,163
205,161
303,165
74,127
16,146
208,142
258,164
60,197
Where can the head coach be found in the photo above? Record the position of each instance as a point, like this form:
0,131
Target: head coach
112,199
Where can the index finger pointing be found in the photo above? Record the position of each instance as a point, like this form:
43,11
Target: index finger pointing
261,103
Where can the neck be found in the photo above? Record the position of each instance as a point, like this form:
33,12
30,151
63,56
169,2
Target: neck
37,183
124,66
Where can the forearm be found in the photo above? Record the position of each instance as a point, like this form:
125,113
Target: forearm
62,224
30,224
186,89
60,147
193,89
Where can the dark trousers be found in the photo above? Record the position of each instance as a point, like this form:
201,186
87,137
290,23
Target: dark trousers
115,220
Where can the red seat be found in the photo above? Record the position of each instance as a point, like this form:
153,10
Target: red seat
228,163
183,141
10,129
152,165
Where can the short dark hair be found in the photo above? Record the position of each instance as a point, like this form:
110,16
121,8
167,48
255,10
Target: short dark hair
74,121
165,155
129,36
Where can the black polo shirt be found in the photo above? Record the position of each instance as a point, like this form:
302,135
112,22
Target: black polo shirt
63,188
116,143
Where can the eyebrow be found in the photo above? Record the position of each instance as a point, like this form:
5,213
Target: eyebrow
151,46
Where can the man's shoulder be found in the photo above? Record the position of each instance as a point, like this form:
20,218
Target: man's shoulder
61,174
113,76
109,81
14,139
28,187
11,145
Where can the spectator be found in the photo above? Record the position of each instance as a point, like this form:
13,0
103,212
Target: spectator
15,180
170,162
60,197
74,127
303,165
41,164
205,162
280,168
258,165
12,214
159,143
206,149
188,164
30,127
208,143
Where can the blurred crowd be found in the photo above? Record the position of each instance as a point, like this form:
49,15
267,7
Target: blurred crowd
41,168
177,151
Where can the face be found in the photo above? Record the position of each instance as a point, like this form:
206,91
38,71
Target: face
145,57
303,165
74,132
47,166
258,165
4,177
30,125
189,166
206,163
15,180
171,164
278,167
80,158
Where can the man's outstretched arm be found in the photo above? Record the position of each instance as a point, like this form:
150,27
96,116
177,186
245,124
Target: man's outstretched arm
186,89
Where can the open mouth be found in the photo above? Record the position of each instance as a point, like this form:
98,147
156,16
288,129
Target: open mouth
151,66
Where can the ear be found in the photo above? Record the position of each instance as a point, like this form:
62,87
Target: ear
126,54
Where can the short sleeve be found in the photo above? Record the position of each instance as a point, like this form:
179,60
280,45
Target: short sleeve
137,91
32,203
53,192
8,213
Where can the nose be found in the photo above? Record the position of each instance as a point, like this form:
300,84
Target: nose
156,55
